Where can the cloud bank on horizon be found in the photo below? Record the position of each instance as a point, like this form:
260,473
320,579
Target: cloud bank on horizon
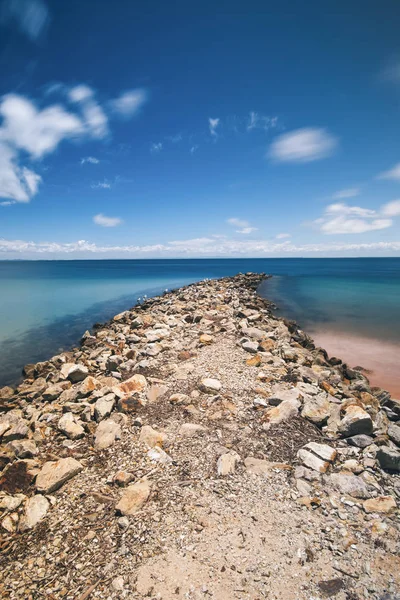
81,142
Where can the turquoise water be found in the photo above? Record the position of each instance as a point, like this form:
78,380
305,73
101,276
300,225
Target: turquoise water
45,306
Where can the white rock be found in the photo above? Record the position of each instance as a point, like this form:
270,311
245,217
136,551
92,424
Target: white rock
35,509
106,433
157,454
191,429
227,463
210,386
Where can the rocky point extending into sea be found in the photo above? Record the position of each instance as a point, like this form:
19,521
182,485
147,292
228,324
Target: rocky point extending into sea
197,446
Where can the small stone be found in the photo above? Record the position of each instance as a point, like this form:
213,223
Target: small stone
134,498
55,473
106,433
123,522
70,428
158,455
312,461
356,420
74,372
381,504
151,437
360,441
118,584
254,361
35,510
179,399
389,459
210,386
251,347
103,407
155,391
206,339
123,478
322,450
191,429
227,463
284,412
279,395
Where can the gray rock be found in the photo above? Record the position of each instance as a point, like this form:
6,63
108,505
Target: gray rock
389,459
251,347
360,441
394,433
356,420
74,372
347,483
316,409
104,406
23,448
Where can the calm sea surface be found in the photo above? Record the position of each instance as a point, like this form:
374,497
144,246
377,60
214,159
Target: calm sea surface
45,306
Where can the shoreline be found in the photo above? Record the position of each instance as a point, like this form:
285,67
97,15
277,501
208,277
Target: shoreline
197,443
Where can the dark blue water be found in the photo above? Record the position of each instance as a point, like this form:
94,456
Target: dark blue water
45,306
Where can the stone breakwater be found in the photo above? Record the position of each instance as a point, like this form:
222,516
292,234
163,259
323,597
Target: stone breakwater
196,446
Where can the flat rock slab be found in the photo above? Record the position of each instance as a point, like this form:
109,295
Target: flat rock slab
106,433
347,483
55,473
381,504
258,466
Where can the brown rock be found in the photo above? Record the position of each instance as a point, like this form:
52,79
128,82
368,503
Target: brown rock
267,345
134,497
16,478
55,473
381,504
133,385
206,339
254,361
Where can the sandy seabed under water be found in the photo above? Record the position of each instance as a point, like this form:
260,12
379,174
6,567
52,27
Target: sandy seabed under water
381,358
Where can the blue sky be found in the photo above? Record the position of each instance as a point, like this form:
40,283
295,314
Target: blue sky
146,130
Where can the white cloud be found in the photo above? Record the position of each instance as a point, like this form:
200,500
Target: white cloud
343,219
194,247
347,193
303,145
245,227
105,185
213,124
393,173
193,149
130,102
106,221
90,159
155,148
391,209
257,121
283,236
38,132
94,117
30,16
16,183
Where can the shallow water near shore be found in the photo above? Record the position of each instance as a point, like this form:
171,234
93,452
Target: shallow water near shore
45,306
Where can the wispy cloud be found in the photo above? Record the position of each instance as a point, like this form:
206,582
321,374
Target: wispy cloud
346,193
393,173
392,72
193,149
93,115
283,236
343,219
30,16
90,159
303,145
245,227
156,148
105,185
213,124
129,103
258,121
104,221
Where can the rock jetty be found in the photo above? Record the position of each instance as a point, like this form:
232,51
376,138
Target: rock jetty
199,447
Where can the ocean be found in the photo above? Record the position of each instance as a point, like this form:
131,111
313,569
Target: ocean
350,306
